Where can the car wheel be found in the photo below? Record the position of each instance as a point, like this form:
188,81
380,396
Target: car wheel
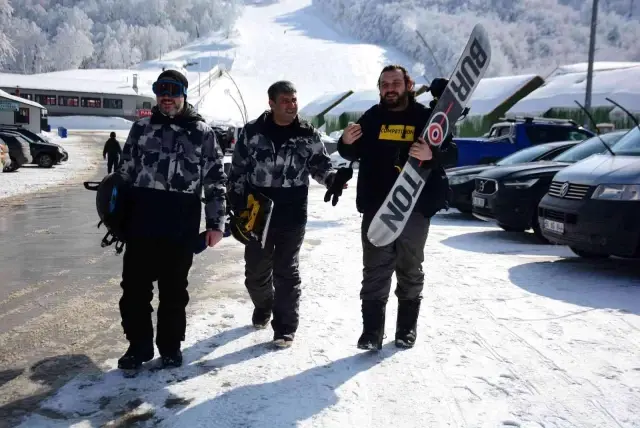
12,167
589,254
510,228
45,161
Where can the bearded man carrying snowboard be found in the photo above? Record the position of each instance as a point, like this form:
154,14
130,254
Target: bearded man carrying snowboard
382,140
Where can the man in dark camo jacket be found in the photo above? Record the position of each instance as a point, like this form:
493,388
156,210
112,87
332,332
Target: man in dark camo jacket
169,159
275,155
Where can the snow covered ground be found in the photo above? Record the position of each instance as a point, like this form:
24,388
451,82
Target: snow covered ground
90,123
85,154
288,39
511,334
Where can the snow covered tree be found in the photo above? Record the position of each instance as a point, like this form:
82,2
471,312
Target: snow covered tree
6,48
103,33
526,35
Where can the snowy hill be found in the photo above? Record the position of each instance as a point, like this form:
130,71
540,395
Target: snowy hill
288,40
527,36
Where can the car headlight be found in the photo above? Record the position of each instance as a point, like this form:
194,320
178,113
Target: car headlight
617,192
520,184
459,179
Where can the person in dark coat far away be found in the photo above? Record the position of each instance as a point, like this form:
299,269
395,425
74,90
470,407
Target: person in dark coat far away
112,152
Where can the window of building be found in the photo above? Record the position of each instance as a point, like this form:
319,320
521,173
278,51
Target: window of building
68,101
113,103
91,102
27,96
146,104
22,116
46,100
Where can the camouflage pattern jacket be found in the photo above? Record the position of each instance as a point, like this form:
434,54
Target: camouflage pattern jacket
170,162
278,161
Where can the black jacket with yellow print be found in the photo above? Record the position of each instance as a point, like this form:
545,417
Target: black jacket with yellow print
383,150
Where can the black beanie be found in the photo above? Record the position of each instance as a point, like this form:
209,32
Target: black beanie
174,75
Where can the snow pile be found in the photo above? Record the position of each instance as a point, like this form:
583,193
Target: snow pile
510,335
85,157
90,122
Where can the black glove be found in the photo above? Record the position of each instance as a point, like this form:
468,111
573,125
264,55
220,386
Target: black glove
343,175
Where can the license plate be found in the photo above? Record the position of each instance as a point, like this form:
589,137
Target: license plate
478,202
554,226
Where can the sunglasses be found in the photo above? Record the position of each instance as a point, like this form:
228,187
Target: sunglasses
170,88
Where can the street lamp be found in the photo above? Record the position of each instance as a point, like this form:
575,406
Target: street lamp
238,89
227,92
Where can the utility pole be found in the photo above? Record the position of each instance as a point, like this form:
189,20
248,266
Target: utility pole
592,47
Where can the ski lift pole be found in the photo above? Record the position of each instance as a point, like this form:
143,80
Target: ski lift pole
433,55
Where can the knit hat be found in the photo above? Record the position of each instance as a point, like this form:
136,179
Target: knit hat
174,75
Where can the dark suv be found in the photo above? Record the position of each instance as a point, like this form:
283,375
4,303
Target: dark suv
44,154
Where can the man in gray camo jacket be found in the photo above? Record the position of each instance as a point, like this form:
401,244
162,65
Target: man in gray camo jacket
169,159
275,155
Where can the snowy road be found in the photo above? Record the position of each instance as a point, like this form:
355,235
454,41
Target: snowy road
512,334
59,289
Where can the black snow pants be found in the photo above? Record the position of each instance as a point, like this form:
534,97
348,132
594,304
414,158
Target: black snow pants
112,163
146,261
272,276
404,256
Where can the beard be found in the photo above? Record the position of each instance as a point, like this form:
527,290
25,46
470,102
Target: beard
399,100
170,109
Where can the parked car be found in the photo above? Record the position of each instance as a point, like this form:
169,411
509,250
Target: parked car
19,151
511,135
38,138
5,160
509,195
462,178
43,154
330,143
593,206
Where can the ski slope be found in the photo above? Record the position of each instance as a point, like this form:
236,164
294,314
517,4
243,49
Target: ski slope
289,40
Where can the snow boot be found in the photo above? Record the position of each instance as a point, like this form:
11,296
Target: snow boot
138,353
172,359
373,317
407,323
261,317
282,340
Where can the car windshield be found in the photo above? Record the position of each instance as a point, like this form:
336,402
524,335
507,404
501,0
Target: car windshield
524,155
630,144
589,147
